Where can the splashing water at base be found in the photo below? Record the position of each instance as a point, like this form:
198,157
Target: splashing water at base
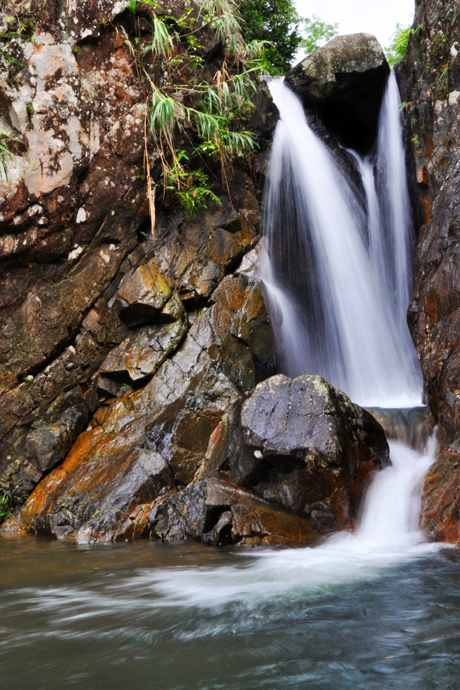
338,293
387,535
272,618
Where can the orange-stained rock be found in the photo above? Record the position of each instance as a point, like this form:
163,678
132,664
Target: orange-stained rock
95,491
77,254
282,467
181,432
423,176
223,247
440,518
166,427
215,257
433,124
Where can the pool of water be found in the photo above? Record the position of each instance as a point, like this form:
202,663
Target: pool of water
184,616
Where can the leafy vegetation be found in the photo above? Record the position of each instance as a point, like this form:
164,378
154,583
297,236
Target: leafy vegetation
17,29
399,42
5,505
316,33
207,130
199,104
278,23
8,503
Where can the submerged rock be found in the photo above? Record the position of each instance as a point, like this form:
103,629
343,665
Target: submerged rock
345,81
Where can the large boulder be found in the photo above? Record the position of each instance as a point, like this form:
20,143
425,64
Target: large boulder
287,465
345,80
303,444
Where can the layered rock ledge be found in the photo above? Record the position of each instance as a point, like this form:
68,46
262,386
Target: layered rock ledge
284,464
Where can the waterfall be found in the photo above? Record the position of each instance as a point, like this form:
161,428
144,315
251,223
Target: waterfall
337,271
392,183
338,278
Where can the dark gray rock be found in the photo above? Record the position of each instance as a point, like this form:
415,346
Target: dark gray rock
216,511
303,444
345,80
344,65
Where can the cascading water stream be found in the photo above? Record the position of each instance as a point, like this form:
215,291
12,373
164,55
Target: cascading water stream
391,180
338,284
333,284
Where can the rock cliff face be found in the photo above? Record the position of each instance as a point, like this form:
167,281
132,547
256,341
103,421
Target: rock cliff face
125,359
430,80
83,288
69,215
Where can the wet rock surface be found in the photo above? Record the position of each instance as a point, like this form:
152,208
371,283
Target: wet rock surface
129,363
302,444
284,464
90,305
173,416
344,80
124,357
77,276
218,512
141,295
412,426
430,89
139,356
